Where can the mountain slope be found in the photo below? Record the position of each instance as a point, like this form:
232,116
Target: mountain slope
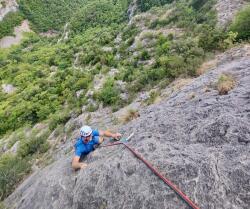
106,59
200,142
227,9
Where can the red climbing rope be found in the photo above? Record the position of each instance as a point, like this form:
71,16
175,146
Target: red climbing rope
156,172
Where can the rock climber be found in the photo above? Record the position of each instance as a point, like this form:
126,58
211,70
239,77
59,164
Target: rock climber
86,143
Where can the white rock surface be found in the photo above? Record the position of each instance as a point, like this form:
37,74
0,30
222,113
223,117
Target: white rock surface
7,6
8,88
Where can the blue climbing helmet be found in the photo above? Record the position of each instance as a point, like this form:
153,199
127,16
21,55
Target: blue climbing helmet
85,131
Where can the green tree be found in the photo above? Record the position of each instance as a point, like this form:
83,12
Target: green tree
8,23
93,14
48,15
241,24
145,5
109,95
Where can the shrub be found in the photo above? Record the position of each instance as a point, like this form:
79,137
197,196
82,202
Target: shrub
174,65
225,83
8,23
44,147
152,75
3,4
92,107
145,5
163,46
241,24
97,13
110,94
59,118
126,74
2,206
83,82
12,171
152,97
131,115
130,41
229,41
17,136
198,4
42,13
147,78
129,32
33,145
144,55
211,38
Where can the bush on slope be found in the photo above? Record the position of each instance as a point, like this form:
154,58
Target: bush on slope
241,24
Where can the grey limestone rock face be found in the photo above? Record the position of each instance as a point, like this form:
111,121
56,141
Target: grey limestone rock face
202,144
227,9
132,9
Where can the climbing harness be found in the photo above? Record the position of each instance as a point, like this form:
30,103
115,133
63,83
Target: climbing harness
182,195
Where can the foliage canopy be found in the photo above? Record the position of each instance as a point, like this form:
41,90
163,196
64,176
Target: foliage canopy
241,24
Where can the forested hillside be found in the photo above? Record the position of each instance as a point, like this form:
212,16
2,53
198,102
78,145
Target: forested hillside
53,77
30,66
42,69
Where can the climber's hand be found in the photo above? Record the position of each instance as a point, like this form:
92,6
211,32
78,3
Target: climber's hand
117,136
83,165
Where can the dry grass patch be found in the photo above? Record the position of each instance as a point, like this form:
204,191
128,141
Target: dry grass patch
178,84
206,66
131,115
154,97
247,49
225,83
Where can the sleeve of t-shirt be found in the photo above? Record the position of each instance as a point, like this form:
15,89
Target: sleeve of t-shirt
96,139
95,133
96,136
77,151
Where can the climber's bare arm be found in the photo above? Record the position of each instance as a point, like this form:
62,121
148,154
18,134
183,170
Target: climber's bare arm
76,164
108,134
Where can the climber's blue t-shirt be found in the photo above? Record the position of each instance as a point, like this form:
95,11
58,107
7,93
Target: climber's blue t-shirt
83,149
